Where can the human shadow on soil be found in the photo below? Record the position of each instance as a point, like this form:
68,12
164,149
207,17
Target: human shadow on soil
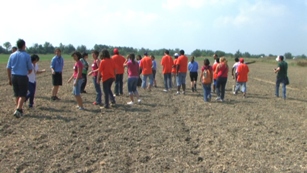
131,108
50,109
46,117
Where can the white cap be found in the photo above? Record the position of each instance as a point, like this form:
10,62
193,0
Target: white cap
176,54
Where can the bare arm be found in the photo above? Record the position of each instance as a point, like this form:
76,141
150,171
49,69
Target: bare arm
9,75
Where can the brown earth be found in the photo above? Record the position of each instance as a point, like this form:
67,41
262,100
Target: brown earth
165,133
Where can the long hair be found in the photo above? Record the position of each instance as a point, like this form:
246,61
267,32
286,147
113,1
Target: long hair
78,54
223,60
206,62
192,59
104,54
132,57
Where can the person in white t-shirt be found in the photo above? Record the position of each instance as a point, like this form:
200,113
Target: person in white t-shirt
32,79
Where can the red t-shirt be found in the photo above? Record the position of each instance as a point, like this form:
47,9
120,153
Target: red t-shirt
222,70
182,61
167,63
78,65
119,62
214,69
95,66
174,66
242,71
146,65
107,69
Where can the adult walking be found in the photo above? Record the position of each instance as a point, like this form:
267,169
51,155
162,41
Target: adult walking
182,68
167,64
18,67
282,76
193,69
146,66
222,74
119,62
57,64
84,71
241,77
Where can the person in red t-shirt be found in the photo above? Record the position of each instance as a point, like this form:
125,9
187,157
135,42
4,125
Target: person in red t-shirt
119,62
174,70
241,77
182,68
222,74
94,73
215,64
167,64
78,80
146,66
107,71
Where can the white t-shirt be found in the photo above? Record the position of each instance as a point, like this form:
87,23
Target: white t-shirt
32,75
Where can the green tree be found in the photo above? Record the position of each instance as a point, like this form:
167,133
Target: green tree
238,54
7,46
247,55
81,48
220,53
288,55
196,53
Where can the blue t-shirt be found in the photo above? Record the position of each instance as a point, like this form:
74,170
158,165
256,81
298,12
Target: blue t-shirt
57,63
154,65
19,63
193,66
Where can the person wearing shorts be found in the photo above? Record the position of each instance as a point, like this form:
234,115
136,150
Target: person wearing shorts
182,68
193,68
57,64
18,67
133,75
78,79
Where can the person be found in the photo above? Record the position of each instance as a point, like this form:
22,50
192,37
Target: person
193,69
119,62
215,57
18,67
282,76
32,79
234,69
57,64
84,71
222,74
181,71
146,67
154,69
94,73
174,70
206,78
167,65
133,75
78,80
216,63
107,71
14,49
139,84
241,77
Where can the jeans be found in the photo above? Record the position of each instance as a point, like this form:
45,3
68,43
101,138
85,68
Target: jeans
84,77
108,92
144,80
174,76
132,84
31,93
118,89
97,89
242,85
167,81
181,78
77,88
283,81
220,87
207,92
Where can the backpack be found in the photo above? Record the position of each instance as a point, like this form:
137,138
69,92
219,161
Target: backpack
207,76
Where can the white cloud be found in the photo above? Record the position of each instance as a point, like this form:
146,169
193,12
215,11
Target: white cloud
195,4
253,14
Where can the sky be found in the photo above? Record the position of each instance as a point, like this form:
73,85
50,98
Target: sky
255,26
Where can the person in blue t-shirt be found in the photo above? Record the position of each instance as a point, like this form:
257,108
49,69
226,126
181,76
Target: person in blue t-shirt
18,67
57,64
154,69
193,68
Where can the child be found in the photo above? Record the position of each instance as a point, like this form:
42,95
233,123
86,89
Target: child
133,75
32,79
94,73
206,78
77,76
154,69
84,71
107,71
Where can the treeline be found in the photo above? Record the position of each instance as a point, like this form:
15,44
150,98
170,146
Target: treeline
48,48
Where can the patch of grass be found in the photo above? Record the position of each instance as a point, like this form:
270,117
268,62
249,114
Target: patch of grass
42,57
302,63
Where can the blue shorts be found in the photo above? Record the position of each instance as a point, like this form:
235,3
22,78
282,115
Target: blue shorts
77,89
181,78
214,82
132,85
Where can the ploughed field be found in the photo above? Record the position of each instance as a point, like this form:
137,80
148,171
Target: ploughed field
165,133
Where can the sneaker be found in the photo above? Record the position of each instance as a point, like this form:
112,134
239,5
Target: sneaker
234,93
95,103
17,114
165,90
139,100
183,92
192,89
81,108
56,98
104,107
218,99
130,103
177,92
113,103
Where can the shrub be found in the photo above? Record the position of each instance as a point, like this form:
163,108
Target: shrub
302,63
